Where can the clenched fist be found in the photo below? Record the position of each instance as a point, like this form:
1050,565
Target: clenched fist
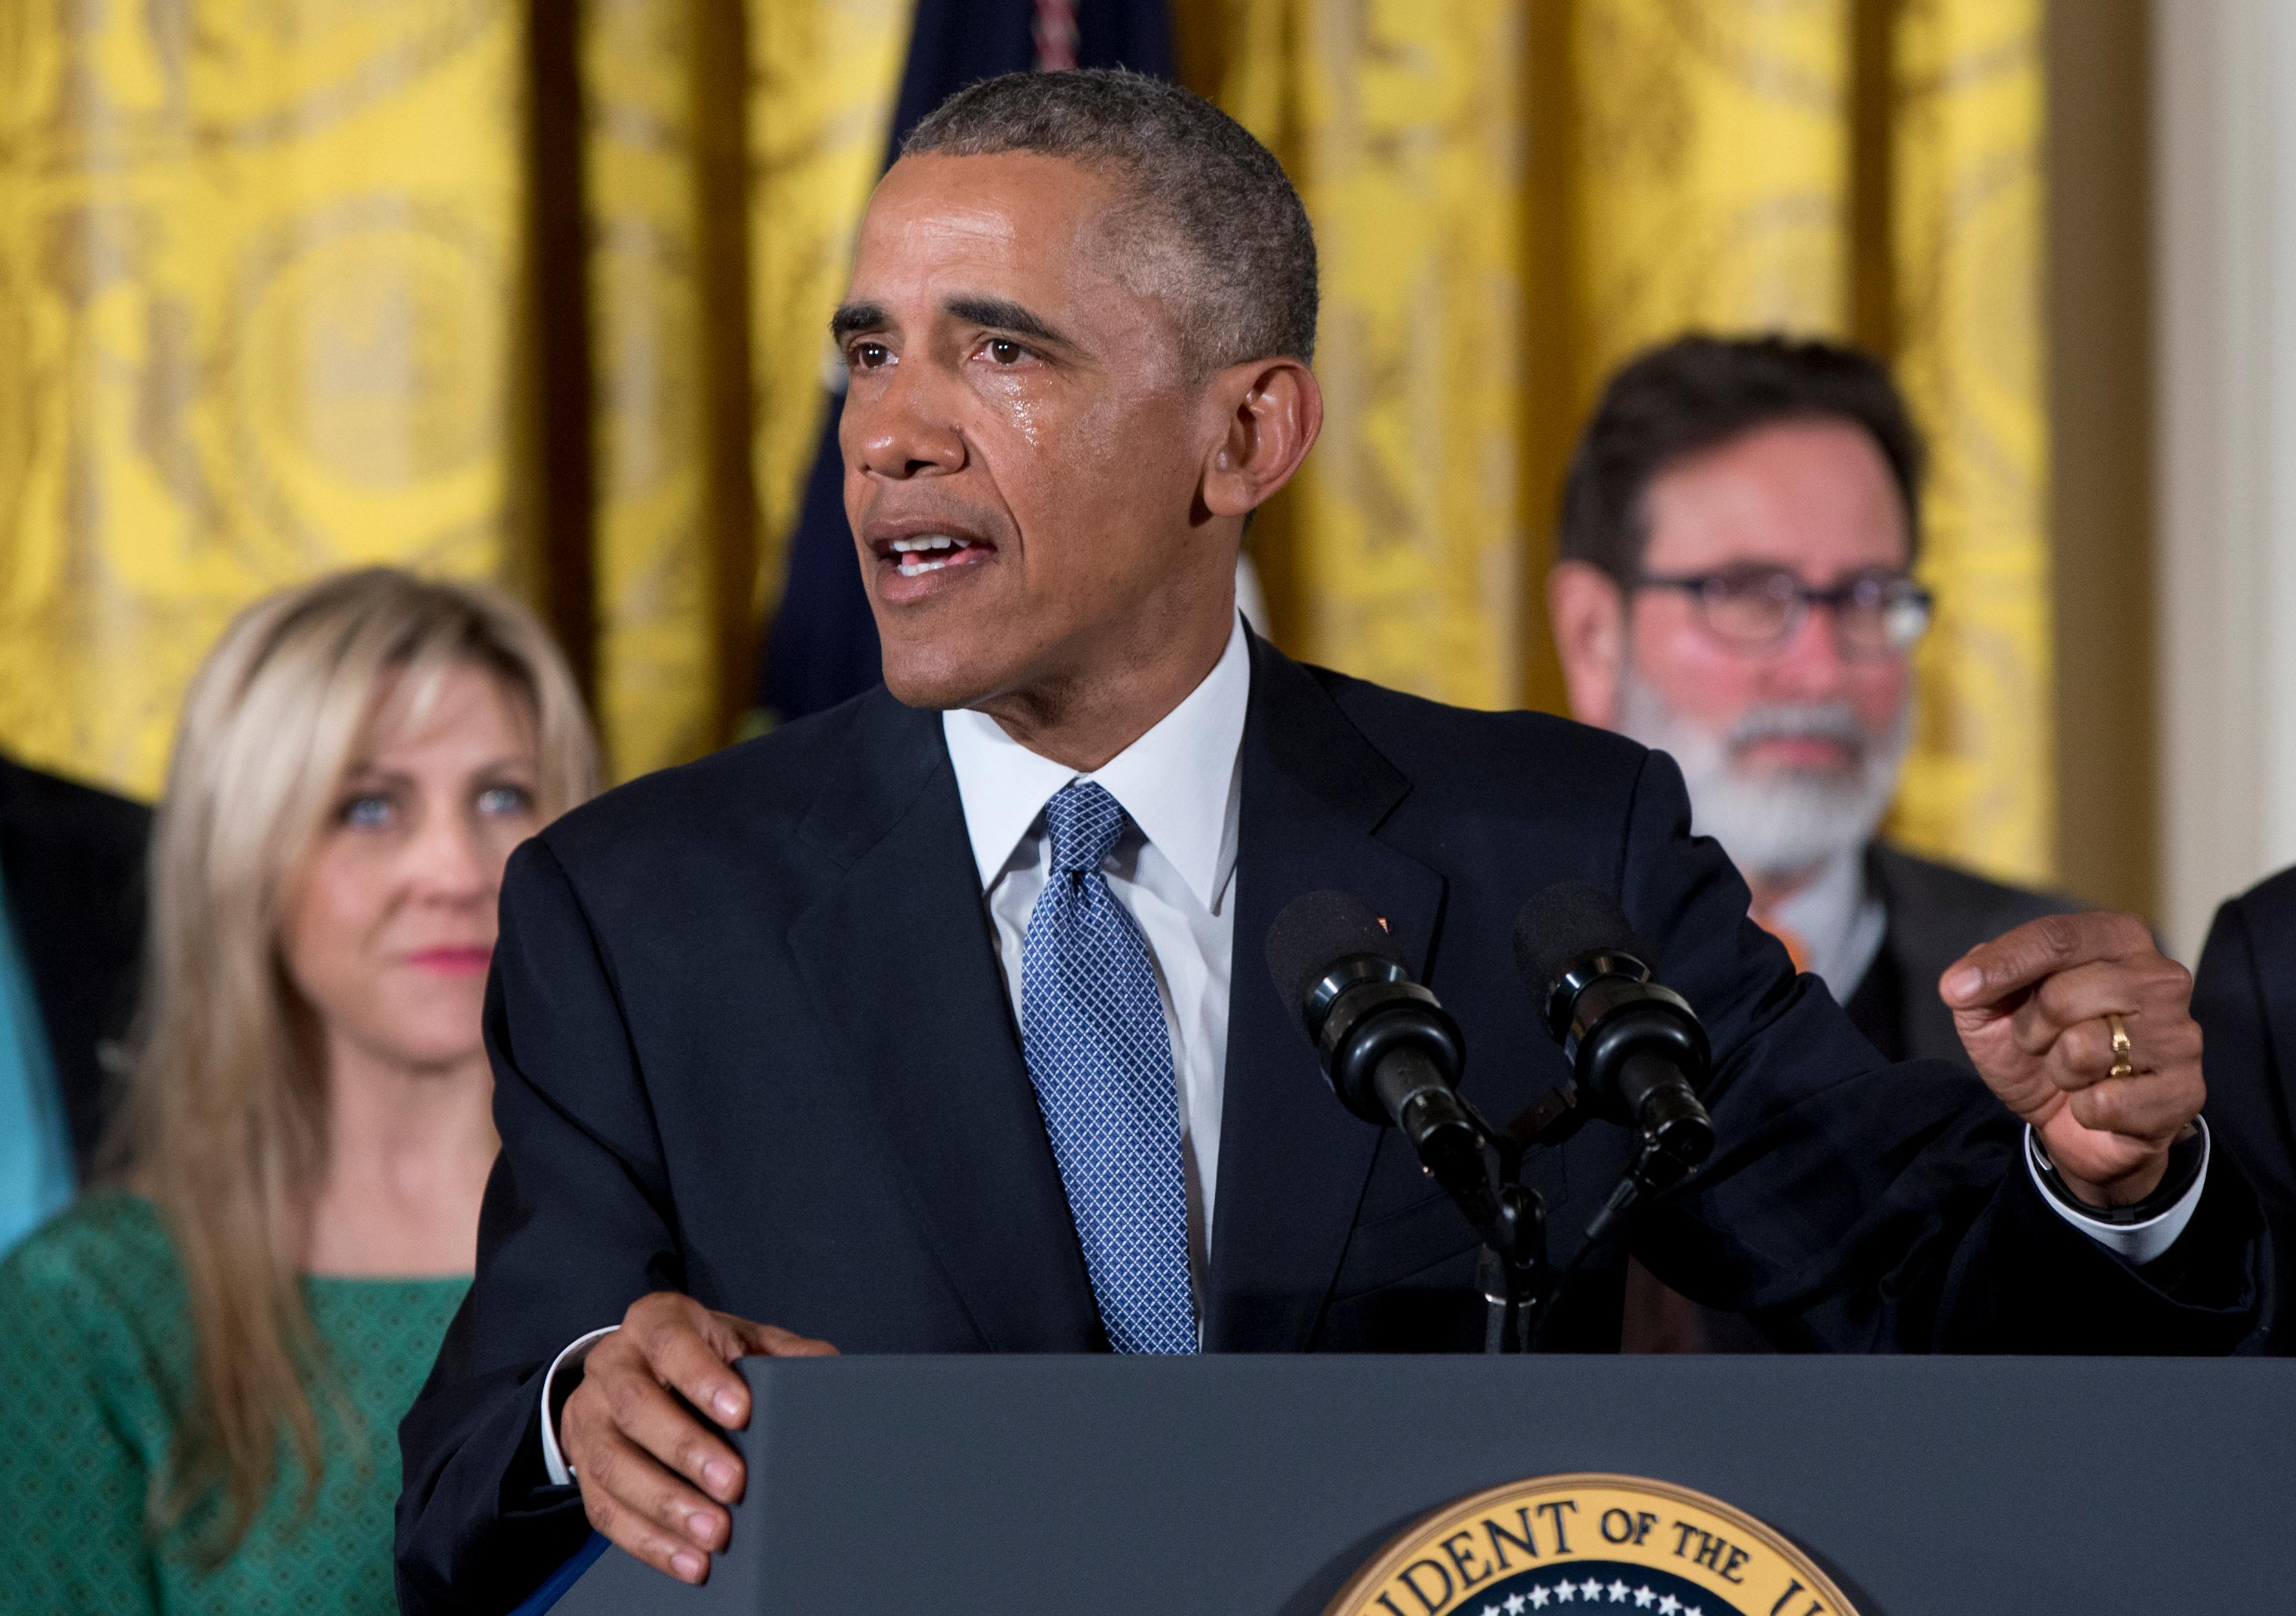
2030,1006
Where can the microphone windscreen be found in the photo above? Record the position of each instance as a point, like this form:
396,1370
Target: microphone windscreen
1563,922
1315,931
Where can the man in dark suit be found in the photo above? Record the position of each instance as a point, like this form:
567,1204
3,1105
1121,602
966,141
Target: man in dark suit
2244,999
936,1024
1724,487
71,892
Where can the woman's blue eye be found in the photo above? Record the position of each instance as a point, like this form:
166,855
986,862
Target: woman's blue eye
367,813
505,800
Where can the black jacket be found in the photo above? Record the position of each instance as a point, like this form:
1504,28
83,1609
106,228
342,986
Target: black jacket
1936,914
1933,915
74,860
2244,999
751,1043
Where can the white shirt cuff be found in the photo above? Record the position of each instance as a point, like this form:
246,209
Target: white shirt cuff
2139,1242
562,1473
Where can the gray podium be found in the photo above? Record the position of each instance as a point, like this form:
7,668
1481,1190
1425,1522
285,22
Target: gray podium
1929,1486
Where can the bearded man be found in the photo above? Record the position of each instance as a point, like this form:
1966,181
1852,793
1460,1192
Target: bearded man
1739,530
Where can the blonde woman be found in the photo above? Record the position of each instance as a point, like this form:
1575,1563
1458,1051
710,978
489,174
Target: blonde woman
203,1369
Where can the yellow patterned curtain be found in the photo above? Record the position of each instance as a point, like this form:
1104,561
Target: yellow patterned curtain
1399,553
730,154
255,322
276,295
267,284
1512,196
1965,155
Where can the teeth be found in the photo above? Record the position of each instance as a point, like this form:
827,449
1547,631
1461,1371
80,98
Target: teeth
919,569
927,541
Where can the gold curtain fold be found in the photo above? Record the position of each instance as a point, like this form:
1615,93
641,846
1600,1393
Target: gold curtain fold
1712,187
1398,552
656,590
730,152
256,321
1965,155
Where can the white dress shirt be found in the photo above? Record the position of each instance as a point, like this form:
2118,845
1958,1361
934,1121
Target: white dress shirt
1841,921
1173,870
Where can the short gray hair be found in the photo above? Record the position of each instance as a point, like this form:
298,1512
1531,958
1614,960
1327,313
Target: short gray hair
1214,222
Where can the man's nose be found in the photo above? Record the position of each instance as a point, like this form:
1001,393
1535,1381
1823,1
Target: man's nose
1809,662
903,427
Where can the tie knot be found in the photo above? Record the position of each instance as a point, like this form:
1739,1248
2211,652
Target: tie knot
1083,821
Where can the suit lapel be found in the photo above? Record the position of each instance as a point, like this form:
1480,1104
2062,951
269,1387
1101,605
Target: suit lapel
900,958
1293,1161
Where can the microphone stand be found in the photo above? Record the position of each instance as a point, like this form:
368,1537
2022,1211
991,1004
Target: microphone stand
1517,1279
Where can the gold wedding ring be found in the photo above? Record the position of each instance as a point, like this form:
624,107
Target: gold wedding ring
2122,1066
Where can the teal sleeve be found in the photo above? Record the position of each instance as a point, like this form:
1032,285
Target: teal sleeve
73,1449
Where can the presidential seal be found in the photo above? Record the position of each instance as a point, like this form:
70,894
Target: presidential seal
1590,1545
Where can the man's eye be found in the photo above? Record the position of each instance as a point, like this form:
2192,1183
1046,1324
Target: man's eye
1003,350
497,800
367,813
868,356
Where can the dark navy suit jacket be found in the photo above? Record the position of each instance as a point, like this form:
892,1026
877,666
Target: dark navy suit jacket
2244,999
750,1043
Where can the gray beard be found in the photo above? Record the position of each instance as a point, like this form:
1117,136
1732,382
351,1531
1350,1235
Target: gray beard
1776,823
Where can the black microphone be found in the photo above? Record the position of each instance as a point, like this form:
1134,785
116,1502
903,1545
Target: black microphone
1636,1048
1392,1053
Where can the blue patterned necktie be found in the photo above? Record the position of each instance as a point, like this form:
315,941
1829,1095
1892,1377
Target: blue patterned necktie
1101,1057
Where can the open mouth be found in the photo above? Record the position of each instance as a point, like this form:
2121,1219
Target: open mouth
912,553
930,553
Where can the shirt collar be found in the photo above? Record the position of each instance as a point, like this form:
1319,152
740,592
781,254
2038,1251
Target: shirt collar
1825,912
1178,782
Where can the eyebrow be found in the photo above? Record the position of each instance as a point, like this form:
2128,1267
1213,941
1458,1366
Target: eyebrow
1003,315
366,772
999,313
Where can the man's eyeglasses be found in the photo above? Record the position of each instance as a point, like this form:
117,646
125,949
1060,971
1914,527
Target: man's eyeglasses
1875,613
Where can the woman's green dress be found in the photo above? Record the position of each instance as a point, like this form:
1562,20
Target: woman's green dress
96,1364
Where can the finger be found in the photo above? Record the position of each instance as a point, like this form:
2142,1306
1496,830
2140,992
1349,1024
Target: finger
639,1410
2083,1055
774,1342
689,1351
2151,1106
2071,998
2015,961
646,1511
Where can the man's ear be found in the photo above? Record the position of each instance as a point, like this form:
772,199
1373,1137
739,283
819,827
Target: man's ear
1267,415
1588,611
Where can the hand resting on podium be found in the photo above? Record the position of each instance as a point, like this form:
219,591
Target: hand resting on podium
654,1478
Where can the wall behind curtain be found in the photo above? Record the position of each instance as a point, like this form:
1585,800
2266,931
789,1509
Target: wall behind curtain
539,294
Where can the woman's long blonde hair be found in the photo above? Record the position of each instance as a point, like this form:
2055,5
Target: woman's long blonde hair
224,1124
